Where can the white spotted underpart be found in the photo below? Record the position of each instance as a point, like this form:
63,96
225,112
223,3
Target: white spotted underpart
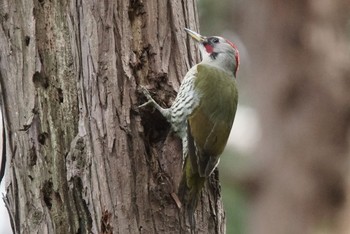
186,101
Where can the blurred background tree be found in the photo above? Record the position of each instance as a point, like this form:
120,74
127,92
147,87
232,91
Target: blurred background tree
289,157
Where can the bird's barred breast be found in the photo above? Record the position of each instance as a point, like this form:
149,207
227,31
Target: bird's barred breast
186,100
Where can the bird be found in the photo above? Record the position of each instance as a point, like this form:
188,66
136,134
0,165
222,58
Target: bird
202,113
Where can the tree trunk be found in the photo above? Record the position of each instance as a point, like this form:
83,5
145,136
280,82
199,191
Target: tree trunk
301,78
81,157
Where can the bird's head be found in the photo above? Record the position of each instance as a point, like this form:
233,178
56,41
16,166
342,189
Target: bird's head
217,51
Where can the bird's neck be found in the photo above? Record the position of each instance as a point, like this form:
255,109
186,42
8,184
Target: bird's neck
222,61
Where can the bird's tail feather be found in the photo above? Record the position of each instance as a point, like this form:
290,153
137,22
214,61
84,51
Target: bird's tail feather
189,190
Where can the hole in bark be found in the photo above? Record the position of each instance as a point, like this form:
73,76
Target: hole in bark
27,40
40,81
42,138
32,157
60,95
136,8
155,126
47,192
105,222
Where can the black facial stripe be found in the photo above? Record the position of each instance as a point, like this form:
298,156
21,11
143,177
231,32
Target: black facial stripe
213,55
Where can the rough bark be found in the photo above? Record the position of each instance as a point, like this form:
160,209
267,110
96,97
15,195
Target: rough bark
300,59
81,157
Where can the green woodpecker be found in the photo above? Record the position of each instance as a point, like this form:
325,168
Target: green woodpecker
203,113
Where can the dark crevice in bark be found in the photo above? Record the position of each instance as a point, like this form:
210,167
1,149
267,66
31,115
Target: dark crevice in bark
134,186
84,215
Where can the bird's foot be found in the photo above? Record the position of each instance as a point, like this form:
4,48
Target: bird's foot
150,101
148,96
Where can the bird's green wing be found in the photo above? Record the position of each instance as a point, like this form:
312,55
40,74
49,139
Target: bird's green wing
210,124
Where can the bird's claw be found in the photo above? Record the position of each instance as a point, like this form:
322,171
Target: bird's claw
146,93
145,104
148,96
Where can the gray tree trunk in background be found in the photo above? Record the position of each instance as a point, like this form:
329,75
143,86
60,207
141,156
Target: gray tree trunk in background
301,75
81,157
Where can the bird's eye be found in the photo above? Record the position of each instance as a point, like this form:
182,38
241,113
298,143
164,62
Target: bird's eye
215,40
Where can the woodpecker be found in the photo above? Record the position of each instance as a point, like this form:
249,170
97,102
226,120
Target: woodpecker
203,113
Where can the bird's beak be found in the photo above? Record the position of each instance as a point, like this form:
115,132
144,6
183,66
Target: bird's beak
195,35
